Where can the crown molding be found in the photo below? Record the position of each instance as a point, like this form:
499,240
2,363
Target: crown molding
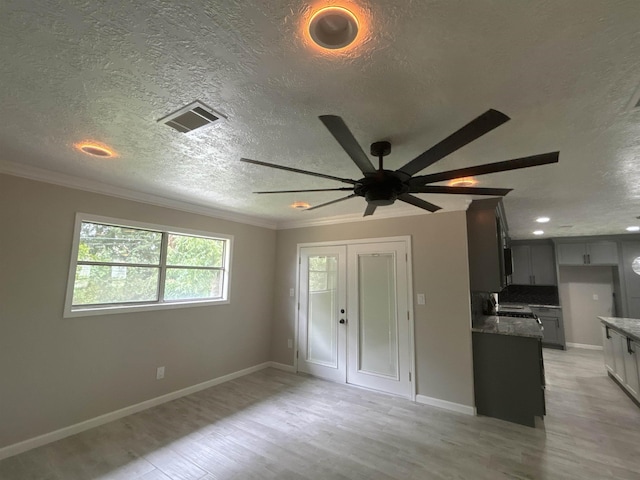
69,181
354,217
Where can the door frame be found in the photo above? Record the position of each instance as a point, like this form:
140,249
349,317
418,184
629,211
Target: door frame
363,241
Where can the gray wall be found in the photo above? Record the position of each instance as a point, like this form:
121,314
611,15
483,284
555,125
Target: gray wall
57,371
440,271
577,287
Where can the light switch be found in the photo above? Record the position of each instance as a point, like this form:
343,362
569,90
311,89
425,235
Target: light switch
595,296
160,373
421,299
291,292
290,343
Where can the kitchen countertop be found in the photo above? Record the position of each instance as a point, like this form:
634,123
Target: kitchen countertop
508,305
517,327
628,326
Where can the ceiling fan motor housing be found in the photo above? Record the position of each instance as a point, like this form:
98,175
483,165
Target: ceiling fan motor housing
381,188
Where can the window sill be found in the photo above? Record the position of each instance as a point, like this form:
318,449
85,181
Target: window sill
143,307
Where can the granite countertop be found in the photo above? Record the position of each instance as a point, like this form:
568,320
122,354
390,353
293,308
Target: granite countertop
509,305
517,327
628,326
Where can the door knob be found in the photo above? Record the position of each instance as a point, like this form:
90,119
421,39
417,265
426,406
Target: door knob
343,321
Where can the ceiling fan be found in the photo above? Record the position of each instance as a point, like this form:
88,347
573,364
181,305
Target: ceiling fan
381,187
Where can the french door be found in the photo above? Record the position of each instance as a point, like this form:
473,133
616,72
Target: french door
353,319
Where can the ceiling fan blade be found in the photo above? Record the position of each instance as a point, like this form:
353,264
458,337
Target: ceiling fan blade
507,165
369,210
418,202
341,189
500,192
347,141
297,170
471,131
332,201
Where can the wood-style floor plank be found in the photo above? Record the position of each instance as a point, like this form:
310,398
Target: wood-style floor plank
277,425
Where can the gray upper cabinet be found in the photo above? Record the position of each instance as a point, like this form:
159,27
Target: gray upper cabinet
597,253
486,244
533,264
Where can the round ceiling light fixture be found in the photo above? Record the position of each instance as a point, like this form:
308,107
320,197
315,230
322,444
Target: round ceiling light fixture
542,219
333,27
300,205
633,228
95,149
538,232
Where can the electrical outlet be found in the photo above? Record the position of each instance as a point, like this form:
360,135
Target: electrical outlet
421,299
290,343
595,296
160,373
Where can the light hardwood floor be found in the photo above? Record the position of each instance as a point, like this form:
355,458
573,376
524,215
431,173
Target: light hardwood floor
273,424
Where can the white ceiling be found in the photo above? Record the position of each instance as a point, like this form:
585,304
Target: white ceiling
566,72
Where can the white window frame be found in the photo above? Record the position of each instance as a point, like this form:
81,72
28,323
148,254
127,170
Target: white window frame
80,310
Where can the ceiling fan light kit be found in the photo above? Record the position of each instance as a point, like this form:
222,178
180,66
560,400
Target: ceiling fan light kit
380,187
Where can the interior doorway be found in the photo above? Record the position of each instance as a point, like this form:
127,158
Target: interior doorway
355,321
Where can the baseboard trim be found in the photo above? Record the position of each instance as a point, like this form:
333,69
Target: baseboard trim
283,366
584,345
454,407
64,432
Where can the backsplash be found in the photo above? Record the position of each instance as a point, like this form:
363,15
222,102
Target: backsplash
533,294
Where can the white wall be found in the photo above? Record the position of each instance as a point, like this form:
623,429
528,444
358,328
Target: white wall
580,309
55,371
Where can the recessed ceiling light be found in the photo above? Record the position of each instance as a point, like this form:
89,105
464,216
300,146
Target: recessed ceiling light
333,27
463,182
95,149
538,232
300,205
633,229
542,219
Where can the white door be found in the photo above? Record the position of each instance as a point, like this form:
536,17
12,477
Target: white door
363,340
321,335
378,329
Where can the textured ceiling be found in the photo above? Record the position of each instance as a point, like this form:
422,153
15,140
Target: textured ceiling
566,72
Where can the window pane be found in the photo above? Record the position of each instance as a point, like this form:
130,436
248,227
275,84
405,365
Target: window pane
194,251
318,282
96,284
189,283
106,243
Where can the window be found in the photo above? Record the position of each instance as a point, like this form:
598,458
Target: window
119,265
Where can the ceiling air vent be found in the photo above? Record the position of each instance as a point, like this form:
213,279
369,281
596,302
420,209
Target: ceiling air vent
193,116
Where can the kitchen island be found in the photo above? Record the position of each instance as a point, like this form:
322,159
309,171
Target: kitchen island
621,341
508,368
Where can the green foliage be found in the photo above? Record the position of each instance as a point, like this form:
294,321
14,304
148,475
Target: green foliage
108,244
194,251
96,284
185,283
323,273
111,244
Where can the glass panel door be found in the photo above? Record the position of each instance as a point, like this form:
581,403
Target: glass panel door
322,310
321,335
